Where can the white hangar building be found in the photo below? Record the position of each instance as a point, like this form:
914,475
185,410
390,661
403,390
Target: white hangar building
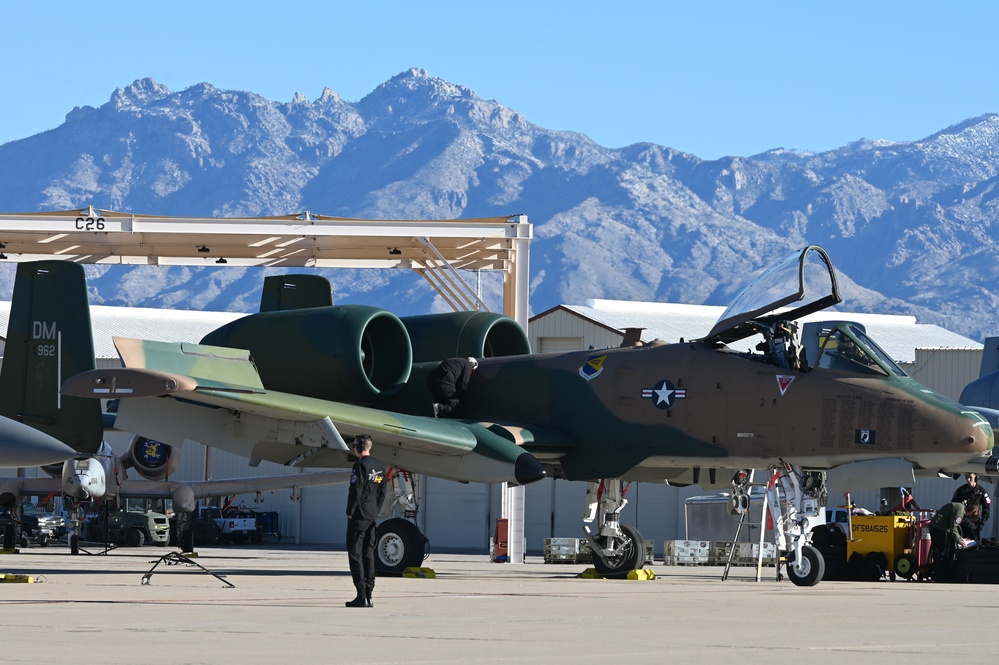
460,517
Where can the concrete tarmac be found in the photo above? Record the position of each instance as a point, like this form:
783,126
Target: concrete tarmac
287,606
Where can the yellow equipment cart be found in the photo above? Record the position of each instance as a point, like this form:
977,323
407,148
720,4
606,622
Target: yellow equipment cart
884,542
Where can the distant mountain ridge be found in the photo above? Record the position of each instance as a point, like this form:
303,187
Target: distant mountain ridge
910,226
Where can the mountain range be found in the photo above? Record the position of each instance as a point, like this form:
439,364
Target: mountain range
911,226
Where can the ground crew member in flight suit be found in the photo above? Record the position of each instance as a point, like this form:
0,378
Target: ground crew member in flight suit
972,490
364,502
946,538
449,382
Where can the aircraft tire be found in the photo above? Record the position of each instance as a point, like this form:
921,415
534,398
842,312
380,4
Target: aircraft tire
814,567
631,558
186,540
74,544
398,545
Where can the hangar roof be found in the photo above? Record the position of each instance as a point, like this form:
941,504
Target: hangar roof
899,336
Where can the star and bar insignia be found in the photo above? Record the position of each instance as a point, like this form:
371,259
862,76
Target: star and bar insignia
664,394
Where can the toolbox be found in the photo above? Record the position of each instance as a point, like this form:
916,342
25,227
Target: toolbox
978,566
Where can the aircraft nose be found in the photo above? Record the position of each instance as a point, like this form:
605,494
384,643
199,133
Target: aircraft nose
21,445
985,439
527,469
976,428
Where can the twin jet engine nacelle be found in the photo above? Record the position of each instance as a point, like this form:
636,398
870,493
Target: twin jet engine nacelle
357,353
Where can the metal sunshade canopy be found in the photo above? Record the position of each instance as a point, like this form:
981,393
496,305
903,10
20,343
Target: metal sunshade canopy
436,249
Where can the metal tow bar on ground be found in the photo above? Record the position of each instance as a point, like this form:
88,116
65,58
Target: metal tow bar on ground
177,557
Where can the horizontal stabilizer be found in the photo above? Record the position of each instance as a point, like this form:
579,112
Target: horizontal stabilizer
210,365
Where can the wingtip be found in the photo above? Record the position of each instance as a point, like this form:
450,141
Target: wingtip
123,383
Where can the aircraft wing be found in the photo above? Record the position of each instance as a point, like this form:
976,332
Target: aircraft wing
184,491
214,395
206,489
18,487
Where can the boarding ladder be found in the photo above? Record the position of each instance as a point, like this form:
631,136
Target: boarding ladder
741,497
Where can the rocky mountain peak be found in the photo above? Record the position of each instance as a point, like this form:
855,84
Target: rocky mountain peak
140,93
912,227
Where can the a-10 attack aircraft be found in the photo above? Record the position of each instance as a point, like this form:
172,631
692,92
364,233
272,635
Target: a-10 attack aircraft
49,339
291,383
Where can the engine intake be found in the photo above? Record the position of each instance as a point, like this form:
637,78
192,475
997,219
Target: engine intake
151,459
347,353
475,334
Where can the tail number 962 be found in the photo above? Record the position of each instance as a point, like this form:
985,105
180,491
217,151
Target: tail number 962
46,350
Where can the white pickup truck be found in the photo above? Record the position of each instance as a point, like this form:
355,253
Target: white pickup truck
235,529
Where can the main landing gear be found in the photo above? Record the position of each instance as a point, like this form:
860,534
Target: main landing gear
399,544
617,548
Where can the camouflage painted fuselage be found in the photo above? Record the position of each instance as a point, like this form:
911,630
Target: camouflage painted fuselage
649,412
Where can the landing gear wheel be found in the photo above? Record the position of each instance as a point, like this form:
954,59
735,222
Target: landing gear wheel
186,540
905,566
631,556
74,544
398,545
813,567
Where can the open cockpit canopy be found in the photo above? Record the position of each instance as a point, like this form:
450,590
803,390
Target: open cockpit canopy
802,282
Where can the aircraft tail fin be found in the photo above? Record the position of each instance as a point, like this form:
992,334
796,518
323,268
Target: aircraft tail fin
284,292
49,339
990,356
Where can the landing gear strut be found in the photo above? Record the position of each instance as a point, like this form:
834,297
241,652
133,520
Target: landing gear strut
804,492
75,525
617,548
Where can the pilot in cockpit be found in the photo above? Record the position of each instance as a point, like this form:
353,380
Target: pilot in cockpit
842,353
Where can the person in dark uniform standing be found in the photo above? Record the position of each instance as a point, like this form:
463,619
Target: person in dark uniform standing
946,538
972,490
364,502
449,382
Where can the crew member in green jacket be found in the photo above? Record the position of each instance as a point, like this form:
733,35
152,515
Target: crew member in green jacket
946,538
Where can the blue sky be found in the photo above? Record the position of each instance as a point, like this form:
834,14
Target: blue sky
710,78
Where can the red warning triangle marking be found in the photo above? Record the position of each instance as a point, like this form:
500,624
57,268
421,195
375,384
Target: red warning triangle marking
783,380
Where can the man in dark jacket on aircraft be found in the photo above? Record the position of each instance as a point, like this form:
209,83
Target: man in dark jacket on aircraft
364,503
449,382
